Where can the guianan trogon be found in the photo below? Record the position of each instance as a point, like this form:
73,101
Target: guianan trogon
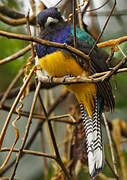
92,97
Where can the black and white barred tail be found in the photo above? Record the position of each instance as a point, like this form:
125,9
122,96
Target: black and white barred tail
95,150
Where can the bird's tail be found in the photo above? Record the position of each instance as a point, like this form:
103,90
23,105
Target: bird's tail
95,150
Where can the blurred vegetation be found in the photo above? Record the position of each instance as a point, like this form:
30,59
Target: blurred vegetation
11,46
7,48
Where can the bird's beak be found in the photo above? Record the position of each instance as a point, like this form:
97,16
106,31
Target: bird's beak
51,20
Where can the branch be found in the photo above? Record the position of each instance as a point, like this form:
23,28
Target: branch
97,77
17,22
28,145
60,45
13,93
113,42
13,107
58,157
59,81
36,153
106,13
26,131
106,23
11,85
115,68
45,42
16,55
58,100
111,145
10,13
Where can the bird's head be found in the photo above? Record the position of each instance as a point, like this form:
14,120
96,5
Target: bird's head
48,16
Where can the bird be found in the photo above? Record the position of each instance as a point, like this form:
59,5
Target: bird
93,98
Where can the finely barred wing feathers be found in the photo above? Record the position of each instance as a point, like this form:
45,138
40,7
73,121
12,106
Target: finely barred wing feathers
105,90
98,64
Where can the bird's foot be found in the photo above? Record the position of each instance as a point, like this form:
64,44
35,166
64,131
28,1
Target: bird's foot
65,77
50,78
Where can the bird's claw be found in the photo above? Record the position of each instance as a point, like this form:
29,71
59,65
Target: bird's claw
50,78
64,77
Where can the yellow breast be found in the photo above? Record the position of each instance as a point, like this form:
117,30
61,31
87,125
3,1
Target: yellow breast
59,64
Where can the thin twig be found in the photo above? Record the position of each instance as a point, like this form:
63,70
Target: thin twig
95,9
106,13
45,42
57,81
32,2
24,113
13,93
112,42
109,165
115,68
80,19
98,77
8,120
47,85
44,159
106,23
111,145
58,100
21,71
64,46
74,23
10,12
14,105
16,55
61,118
29,143
16,22
29,33
26,131
45,126
36,153
123,140
58,158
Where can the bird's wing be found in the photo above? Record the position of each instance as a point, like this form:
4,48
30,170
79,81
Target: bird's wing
97,64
